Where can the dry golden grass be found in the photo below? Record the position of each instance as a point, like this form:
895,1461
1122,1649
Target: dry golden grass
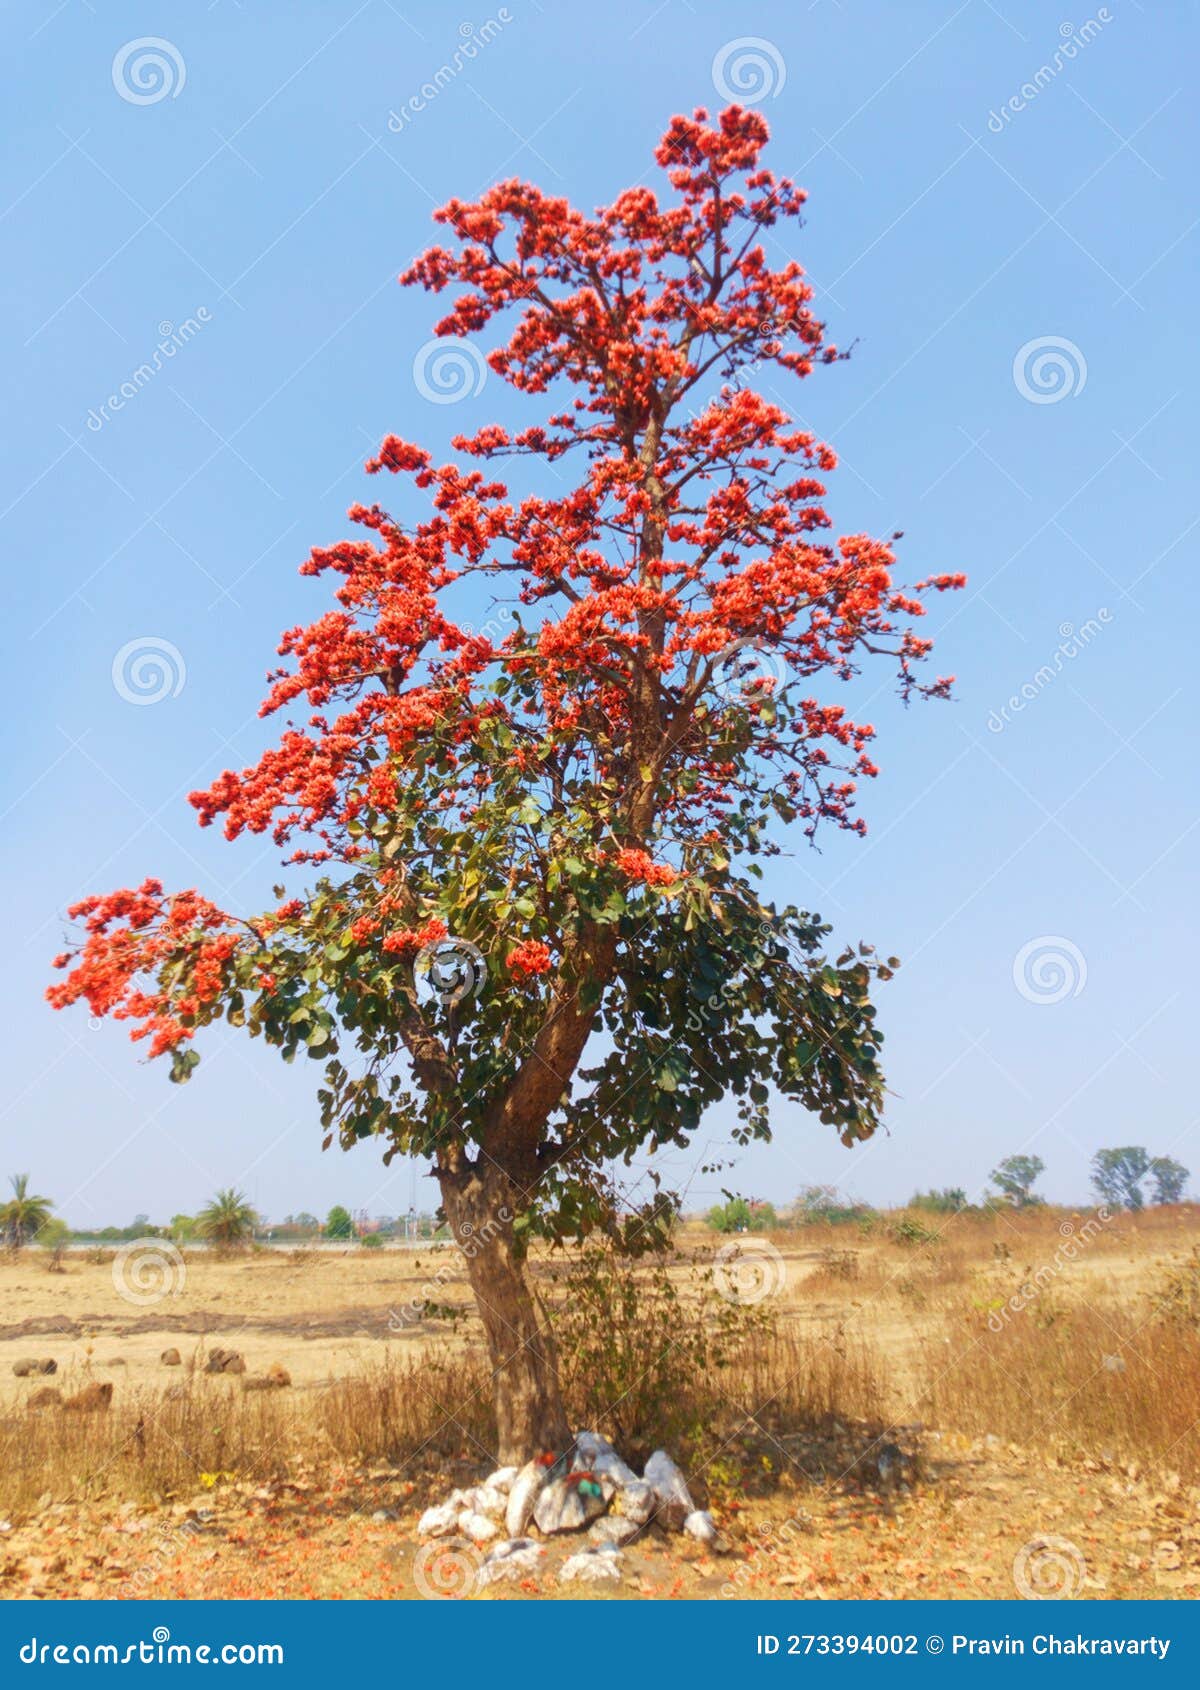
1111,1382
869,1329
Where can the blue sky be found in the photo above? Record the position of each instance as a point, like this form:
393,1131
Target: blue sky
1021,402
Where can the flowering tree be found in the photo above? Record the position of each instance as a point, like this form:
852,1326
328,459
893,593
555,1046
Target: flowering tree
536,943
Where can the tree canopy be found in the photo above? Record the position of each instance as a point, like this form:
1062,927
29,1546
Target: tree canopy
533,941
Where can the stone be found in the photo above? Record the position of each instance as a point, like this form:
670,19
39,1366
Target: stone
492,1502
276,1378
224,1361
701,1525
636,1502
382,1515
614,1529
501,1479
171,1358
570,1503
116,1361
670,1489
29,1364
477,1526
592,1566
440,1521
515,1558
522,1497
91,1398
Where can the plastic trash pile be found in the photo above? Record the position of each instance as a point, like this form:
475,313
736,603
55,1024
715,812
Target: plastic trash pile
591,1489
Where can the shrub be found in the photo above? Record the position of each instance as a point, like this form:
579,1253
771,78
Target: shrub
948,1201
740,1215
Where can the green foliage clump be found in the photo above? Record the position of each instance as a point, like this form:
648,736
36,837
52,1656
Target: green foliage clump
821,1203
949,1200
633,1338
339,1223
737,1214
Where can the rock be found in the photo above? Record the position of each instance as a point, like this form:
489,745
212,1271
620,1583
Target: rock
224,1361
91,1398
29,1364
171,1358
636,1502
522,1496
477,1527
614,1529
670,1489
49,1396
701,1525
501,1479
440,1521
570,1503
382,1515
274,1379
116,1361
592,1566
513,1559
493,1503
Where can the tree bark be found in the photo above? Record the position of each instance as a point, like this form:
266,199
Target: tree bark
530,1417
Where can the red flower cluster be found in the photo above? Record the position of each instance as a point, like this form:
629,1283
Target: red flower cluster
692,544
531,957
640,866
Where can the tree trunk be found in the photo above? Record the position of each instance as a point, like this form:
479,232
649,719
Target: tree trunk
530,1418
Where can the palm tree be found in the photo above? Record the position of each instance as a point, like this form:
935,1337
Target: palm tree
23,1215
227,1219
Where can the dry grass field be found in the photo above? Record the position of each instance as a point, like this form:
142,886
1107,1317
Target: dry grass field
972,1405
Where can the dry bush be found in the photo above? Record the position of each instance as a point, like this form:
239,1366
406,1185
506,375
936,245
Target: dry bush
651,1353
433,1407
1116,1384
149,1443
